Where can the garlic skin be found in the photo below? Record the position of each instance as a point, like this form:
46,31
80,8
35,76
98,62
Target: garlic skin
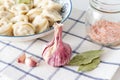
21,58
57,53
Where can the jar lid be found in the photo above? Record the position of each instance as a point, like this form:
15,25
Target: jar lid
106,5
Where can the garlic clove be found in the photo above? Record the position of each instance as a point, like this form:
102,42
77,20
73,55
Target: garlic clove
30,62
21,58
57,53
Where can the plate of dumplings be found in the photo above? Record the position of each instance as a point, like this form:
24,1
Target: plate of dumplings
23,20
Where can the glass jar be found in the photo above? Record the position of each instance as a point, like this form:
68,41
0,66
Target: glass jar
103,22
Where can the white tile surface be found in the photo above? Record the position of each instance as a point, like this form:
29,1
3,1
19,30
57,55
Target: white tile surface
113,55
11,72
75,14
22,45
79,30
84,78
81,4
60,76
29,78
2,46
44,71
66,26
86,46
2,66
103,68
9,56
37,48
72,40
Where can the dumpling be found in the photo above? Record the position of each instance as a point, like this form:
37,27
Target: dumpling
8,3
48,4
20,18
20,9
6,14
40,3
37,2
23,28
53,6
5,27
3,8
41,24
1,2
51,15
33,13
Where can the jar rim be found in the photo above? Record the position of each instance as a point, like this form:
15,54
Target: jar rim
104,6
110,2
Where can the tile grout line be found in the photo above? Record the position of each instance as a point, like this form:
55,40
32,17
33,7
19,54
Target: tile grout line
20,50
21,70
23,76
77,52
14,59
80,73
89,40
31,68
74,23
76,20
4,46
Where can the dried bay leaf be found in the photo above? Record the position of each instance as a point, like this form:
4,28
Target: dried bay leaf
90,66
85,57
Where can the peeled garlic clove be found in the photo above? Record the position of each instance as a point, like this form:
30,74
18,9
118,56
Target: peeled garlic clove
30,62
57,53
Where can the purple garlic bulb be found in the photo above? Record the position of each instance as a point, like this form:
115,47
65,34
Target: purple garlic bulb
57,53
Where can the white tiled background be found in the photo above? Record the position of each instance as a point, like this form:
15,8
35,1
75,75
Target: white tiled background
83,5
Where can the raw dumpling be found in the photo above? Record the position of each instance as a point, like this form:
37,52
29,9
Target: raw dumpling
3,8
37,2
33,13
20,18
41,24
5,27
48,4
41,3
8,3
53,6
23,28
1,2
51,15
6,14
20,9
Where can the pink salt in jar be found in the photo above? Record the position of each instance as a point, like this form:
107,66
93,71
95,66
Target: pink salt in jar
103,22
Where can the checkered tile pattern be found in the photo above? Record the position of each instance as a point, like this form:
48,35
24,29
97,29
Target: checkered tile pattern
74,33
